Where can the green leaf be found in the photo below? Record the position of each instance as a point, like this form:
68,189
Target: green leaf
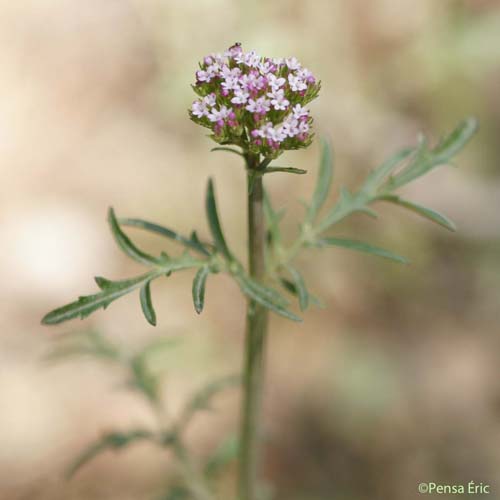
425,160
266,297
147,304
323,182
199,283
144,380
378,175
300,287
214,223
111,290
290,287
224,454
192,243
111,441
126,245
425,212
87,343
287,170
360,246
273,219
229,150
202,398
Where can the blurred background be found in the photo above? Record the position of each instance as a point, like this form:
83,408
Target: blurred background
395,382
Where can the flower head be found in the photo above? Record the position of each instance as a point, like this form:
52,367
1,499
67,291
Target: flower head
257,103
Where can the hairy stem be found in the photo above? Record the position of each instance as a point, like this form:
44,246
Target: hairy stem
255,341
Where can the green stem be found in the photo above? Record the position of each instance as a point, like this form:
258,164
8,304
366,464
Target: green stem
255,341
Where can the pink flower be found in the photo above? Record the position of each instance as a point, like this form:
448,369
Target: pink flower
260,105
278,99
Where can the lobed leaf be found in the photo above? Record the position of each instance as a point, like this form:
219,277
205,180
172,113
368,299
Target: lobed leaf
361,246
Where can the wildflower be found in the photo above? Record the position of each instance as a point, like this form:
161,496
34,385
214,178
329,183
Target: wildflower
257,103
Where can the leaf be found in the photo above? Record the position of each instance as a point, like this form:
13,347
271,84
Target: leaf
202,398
192,243
84,306
199,283
425,212
266,297
214,223
112,290
272,219
144,380
87,343
425,160
290,287
323,182
300,287
378,175
224,454
110,441
288,170
229,150
147,304
126,245
360,246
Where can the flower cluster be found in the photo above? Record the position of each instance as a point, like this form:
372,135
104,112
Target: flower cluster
255,102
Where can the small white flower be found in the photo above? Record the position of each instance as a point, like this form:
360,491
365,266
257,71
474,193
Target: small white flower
209,100
260,105
219,114
252,59
265,67
299,111
231,83
203,76
199,109
293,63
226,72
275,82
278,99
240,96
291,127
303,127
275,134
296,83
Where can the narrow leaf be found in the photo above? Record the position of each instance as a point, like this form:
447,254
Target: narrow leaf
199,283
428,213
288,170
111,441
192,243
323,182
360,246
290,287
126,245
300,286
229,150
456,141
263,296
214,223
90,303
147,304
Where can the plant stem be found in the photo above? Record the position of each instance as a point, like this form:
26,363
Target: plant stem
255,341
